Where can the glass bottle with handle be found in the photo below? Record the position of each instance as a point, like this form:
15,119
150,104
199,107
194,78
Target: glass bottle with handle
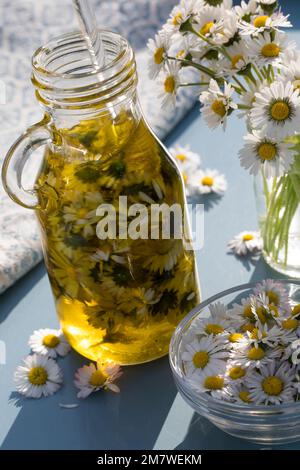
118,297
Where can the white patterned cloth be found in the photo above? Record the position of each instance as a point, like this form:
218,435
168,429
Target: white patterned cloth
27,24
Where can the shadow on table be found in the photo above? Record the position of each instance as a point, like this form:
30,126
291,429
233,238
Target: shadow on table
10,298
131,420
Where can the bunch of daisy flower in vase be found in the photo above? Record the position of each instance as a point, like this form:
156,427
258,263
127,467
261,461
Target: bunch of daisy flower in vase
247,352
243,62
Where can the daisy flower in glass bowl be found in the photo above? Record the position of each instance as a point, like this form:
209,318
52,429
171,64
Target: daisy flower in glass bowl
239,393
207,181
276,109
246,242
91,378
38,376
169,82
250,356
275,292
269,153
217,104
216,385
48,342
158,48
204,356
268,49
272,385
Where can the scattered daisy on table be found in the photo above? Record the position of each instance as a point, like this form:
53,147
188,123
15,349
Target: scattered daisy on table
245,243
49,342
38,376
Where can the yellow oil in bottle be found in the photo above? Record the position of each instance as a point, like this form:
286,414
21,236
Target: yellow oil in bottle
117,299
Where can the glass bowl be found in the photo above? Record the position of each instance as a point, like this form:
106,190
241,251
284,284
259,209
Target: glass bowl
272,424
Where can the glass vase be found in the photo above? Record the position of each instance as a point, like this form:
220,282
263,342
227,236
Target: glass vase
279,220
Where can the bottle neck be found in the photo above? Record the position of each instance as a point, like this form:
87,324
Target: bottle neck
71,90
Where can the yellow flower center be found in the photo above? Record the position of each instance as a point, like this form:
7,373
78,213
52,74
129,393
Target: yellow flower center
255,354
272,385
274,310
207,181
267,151
98,378
280,111
273,297
248,237
296,310
51,341
248,327
236,373
254,334
270,50
214,329
177,19
244,396
214,382
81,213
235,59
247,312
260,21
181,157
235,337
201,359
260,312
296,84
180,54
159,55
38,376
290,324
170,84
206,28
218,108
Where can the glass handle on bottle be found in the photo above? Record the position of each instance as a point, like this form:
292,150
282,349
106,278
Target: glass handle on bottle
15,161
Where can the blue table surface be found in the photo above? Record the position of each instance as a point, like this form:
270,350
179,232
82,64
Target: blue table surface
148,413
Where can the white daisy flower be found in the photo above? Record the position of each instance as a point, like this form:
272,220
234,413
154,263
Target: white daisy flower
216,323
50,343
180,14
217,104
268,153
241,315
169,82
251,357
245,10
263,334
274,290
204,356
239,393
91,378
158,47
235,372
269,48
38,376
273,385
208,22
185,158
215,384
290,72
239,60
207,181
262,23
245,243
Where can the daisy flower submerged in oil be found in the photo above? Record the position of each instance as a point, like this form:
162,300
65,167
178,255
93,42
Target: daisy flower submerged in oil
246,352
